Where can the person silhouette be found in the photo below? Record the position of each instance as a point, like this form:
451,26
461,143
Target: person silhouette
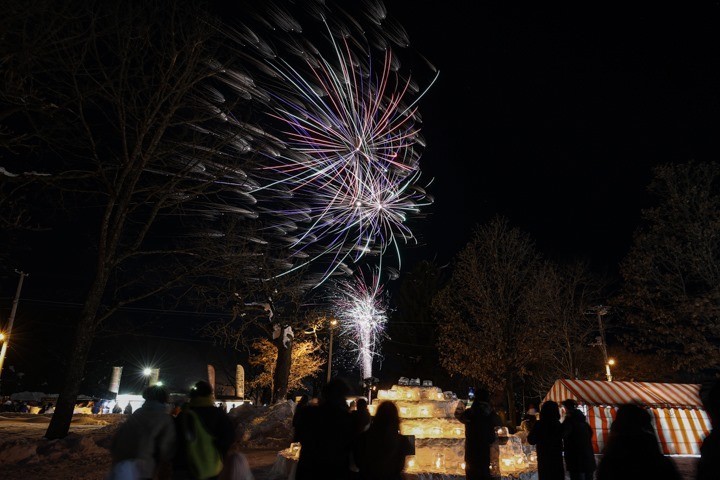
325,434
632,449
360,416
304,401
147,437
577,443
380,451
709,464
481,424
213,419
547,435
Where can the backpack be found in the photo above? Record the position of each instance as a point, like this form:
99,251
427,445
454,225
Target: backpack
202,457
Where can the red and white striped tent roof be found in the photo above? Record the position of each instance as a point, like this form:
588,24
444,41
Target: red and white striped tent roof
680,421
601,393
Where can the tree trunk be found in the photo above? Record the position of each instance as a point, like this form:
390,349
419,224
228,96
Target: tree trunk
512,411
282,369
60,421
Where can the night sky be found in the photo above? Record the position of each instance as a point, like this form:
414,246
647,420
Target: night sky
554,116
550,116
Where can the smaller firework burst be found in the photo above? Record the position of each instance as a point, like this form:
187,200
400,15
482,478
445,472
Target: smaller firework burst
362,310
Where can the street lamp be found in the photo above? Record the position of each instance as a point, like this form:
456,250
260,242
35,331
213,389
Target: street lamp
146,373
610,362
333,323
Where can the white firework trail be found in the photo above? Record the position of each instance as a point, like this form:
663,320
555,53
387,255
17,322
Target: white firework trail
362,310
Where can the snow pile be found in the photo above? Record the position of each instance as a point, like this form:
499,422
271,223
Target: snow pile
17,451
27,451
263,427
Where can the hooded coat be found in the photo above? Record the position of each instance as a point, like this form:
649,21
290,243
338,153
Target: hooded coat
147,436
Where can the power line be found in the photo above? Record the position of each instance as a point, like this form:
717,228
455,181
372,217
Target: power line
129,309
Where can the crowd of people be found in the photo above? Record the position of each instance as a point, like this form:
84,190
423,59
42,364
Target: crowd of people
18,406
188,443
632,450
338,444
91,407
343,443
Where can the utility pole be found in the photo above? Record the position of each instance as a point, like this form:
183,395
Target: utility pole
6,335
601,311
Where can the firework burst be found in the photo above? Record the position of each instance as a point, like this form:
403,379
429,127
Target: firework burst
342,143
359,170
362,310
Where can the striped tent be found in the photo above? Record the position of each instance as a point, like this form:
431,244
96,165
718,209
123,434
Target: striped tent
681,423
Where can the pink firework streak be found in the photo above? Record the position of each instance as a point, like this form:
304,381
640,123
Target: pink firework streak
357,170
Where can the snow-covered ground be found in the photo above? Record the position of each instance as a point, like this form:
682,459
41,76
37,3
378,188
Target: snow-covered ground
84,455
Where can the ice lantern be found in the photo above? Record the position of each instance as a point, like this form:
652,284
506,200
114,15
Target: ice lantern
512,456
428,414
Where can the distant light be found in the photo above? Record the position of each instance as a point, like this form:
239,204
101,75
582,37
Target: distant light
2,337
159,384
147,372
611,361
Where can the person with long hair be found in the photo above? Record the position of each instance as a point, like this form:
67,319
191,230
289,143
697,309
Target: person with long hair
546,434
380,451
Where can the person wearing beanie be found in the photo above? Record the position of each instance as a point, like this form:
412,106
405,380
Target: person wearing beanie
214,420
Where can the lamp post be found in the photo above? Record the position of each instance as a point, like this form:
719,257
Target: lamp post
333,323
610,362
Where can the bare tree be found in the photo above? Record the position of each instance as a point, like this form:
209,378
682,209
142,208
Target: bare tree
487,330
563,299
276,308
131,133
